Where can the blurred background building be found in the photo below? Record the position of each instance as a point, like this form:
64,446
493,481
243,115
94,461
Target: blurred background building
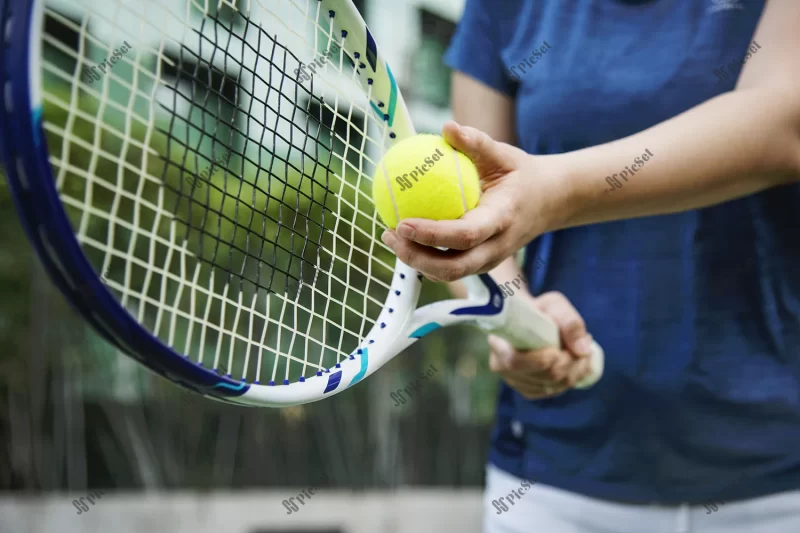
75,416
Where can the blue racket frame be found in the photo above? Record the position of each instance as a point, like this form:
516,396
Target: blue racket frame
48,228
30,178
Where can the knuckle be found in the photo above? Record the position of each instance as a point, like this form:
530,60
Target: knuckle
454,271
428,236
554,373
447,276
406,254
516,363
558,371
574,327
470,237
552,300
504,220
546,359
579,373
480,139
556,297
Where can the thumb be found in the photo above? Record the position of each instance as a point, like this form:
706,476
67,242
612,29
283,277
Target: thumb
482,150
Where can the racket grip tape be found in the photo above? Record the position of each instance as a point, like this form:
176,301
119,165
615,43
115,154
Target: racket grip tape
527,328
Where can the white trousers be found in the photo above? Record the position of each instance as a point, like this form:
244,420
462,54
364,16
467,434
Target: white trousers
536,508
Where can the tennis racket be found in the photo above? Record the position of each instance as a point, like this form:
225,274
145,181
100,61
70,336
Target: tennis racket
195,177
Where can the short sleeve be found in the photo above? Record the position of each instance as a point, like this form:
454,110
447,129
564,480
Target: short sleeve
475,47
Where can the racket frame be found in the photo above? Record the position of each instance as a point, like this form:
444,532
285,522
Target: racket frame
47,227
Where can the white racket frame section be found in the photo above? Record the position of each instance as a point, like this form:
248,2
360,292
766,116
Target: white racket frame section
400,323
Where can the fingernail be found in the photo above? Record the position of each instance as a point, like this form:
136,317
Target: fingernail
584,346
388,239
464,133
407,232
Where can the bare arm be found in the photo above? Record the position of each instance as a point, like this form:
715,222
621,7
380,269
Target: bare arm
734,145
731,146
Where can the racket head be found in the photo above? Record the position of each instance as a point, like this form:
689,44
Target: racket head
145,322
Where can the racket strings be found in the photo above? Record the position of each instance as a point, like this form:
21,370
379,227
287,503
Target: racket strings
272,175
226,200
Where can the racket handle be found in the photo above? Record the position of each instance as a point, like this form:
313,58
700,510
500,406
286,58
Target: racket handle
527,328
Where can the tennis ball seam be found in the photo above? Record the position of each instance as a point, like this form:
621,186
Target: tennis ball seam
460,181
430,203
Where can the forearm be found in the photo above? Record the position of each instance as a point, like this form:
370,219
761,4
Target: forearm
732,146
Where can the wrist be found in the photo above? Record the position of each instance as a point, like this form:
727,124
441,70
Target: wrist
555,187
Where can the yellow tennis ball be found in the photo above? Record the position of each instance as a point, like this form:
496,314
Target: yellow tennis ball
424,177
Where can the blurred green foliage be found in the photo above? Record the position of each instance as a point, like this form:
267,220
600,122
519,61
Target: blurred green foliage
76,413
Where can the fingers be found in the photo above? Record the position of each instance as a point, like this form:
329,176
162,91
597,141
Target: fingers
500,352
581,369
570,324
535,392
435,264
484,151
536,374
534,385
488,233
444,265
550,371
474,227
538,365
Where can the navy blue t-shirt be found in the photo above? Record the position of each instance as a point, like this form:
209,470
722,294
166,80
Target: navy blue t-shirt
698,312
